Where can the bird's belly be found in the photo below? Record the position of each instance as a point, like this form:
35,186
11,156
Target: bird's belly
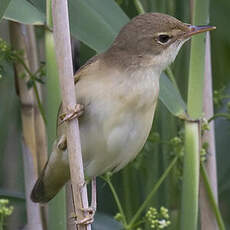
117,119
114,141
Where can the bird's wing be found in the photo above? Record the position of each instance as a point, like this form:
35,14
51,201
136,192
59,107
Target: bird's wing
83,70
56,172
89,67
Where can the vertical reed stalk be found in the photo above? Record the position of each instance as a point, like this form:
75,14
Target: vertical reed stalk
64,60
190,190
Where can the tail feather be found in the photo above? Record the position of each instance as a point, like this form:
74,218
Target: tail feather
54,175
38,193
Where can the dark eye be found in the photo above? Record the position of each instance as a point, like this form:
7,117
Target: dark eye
163,38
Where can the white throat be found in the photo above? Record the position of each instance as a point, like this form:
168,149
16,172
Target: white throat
163,60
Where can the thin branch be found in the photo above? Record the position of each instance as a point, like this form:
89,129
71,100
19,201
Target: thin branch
223,115
107,178
31,75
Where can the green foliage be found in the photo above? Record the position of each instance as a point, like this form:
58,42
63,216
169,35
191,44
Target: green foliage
203,153
137,219
157,219
176,148
5,210
177,145
37,77
16,57
219,96
7,53
204,126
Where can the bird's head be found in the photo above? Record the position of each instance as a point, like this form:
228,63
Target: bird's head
156,35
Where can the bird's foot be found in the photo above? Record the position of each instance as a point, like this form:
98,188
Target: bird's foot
88,219
90,215
72,113
85,221
62,143
89,211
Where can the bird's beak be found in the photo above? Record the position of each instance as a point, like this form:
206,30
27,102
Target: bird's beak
198,29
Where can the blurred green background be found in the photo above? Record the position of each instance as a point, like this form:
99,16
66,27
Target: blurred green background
135,181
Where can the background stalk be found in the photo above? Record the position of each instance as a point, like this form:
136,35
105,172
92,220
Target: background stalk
211,203
57,206
40,128
208,218
190,188
19,36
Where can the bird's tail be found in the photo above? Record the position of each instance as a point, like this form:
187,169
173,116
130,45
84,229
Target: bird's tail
54,175
38,193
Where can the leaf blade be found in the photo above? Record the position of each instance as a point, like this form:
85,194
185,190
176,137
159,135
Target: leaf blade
171,97
104,19
4,5
29,15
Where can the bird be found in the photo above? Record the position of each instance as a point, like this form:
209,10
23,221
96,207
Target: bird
117,93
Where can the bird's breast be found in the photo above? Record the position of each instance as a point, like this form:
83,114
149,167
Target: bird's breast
117,122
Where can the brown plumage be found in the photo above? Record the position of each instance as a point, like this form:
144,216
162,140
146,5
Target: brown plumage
119,91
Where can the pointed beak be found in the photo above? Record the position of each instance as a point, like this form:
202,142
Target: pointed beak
198,29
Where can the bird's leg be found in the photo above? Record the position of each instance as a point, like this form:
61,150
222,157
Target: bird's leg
85,221
92,209
72,113
94,194
62,143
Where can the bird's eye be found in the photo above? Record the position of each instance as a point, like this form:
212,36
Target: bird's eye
164,38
